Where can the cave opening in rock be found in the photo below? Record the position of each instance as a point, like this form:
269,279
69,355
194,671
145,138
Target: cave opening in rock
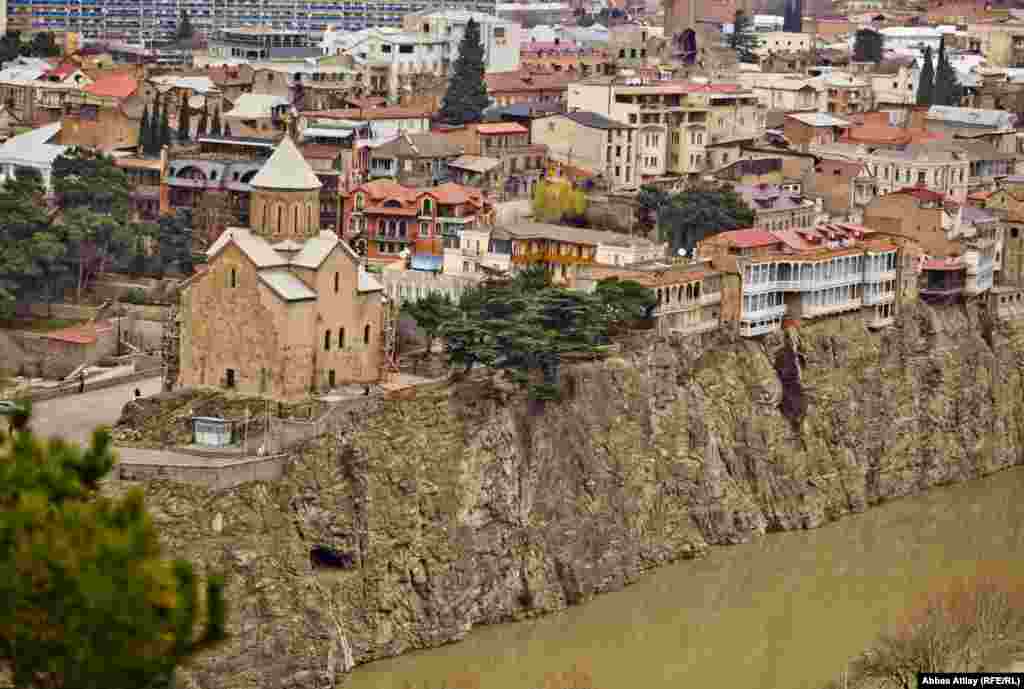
324,557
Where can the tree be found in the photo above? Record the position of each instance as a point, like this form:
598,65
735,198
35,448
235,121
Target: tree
43,45
86,599
10,46
431,313
626,300
692,215
947,86
165,127
867,46
743,39
467,97
174,239
215,126
926,80
650,201
185,30
30,254
153,134
144,130
553,202
184,120
203,122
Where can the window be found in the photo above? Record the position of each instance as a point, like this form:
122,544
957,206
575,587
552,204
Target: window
234,278
341,338
337,280
229,378
385,48
405,49
330,378
327,340
366,335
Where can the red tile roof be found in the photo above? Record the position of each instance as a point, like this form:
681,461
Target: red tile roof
86,333
944,264
114,86
61,71
320,151
524,81
451,193
750,238
501,128
359,114
922,194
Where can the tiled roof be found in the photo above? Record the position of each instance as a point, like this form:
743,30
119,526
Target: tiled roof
86,333
522,80
749,238
320,151
380,189
489,128
114,86
595,120
286,285
943,264
451,193
286,169
921,194
253,246
363,114
316,250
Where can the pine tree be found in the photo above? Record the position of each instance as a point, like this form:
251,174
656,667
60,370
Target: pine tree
215,126
165,128
467,97
926,80
947,87
86,600
144,130
203,123
153,139
184,120
743,39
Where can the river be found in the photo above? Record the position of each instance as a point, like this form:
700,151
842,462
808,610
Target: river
784,612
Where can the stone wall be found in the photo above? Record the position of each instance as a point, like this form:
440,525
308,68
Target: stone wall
218,475
467,504
278,215
613,212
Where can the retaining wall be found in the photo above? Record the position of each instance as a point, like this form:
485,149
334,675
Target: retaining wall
218,475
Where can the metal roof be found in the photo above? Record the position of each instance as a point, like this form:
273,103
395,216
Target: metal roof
818,119
286,285
368,283
287,168
427,262
316,250
972,117
253,246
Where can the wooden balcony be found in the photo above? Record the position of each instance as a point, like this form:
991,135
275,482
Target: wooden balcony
551,257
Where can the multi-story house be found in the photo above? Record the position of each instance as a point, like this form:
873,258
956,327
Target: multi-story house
788,92
846,94
415,159
257,115
391,59
524,86
256,43
565,250
809,273
784,41
689,294
987,165
104,115
500,38
392,219
775,208
997,127
803,130
522,163
595,143
306,86
894,84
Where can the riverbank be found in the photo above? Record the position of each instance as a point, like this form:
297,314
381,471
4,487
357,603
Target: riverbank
468,505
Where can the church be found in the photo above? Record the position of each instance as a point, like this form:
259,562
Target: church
283,310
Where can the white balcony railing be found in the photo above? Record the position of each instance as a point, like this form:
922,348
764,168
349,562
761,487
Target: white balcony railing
828,309
709,298
776,311
804,285
755,329
878,298
879,275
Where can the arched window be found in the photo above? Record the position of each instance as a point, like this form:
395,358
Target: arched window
309,218
337,280
427,207
327,340
266,217
295,227
234,278
366,335
359,202
280,218
341,338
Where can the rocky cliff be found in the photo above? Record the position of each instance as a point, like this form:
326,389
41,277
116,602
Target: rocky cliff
466,504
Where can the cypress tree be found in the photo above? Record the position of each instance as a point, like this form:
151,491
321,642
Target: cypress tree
144,130
165,128
203,123
926,81
467,97
215,127
947,86
184,120
227,130
153,140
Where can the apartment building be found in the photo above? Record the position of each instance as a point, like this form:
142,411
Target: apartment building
523,86
257,43
500,38
787,92
803,130
806,273
679,121
784,41
894,84
846,94
595,143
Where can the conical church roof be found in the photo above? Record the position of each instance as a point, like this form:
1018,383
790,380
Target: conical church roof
286,169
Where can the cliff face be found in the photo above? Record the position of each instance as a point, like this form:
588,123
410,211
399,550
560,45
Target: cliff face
468,505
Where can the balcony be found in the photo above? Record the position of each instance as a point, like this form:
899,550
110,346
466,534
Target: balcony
879,275
187,183
817,311
760,328
551,257
805,285
709,298
776,311
872,298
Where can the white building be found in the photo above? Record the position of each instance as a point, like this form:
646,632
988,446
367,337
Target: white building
912,37
500,38
31,150
784,41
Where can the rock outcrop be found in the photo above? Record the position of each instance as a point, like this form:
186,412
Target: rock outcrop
420,518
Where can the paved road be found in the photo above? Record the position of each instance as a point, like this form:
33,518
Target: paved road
75,416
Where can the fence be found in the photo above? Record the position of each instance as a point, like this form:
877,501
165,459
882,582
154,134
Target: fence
72,388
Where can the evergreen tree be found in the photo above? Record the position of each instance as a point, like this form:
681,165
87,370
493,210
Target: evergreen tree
184,120
867,46
153,140
144,130
165,128
86,600
926,80
203,123
743,39
215,129
185,30
227,130
947,87
467,97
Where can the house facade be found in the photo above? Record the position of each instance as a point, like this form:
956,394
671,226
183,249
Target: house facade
593,142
